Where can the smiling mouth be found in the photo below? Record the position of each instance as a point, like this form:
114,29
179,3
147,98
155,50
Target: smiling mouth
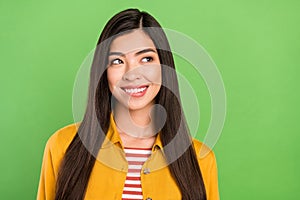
135,90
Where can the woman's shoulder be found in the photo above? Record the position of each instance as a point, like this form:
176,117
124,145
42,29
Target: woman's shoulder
208,166
61,138
203,152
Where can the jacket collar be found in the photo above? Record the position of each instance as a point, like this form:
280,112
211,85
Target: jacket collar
113,137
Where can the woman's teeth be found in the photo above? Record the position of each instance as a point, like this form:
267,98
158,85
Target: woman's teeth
135,90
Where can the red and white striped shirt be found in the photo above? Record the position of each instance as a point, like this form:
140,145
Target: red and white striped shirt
136,158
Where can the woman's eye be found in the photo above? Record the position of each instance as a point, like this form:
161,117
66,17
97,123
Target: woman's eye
116,62
147,59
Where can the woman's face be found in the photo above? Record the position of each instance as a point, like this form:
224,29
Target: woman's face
134,71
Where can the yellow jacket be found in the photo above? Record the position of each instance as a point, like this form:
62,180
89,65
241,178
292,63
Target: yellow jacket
109,173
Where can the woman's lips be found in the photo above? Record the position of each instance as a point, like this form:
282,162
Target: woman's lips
136,91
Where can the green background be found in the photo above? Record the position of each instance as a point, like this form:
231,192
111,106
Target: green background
255,45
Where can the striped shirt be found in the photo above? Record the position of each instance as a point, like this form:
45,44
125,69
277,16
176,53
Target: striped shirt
136,157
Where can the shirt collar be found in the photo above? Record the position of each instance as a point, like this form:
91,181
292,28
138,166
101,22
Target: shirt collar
157,144
113,137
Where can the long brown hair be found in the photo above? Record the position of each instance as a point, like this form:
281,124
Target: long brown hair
78,162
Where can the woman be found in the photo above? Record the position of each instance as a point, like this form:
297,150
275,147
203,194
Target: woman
127,147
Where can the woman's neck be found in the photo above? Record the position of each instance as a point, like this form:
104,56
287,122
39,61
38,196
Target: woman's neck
134,123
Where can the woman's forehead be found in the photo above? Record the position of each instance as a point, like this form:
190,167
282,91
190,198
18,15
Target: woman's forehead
131,42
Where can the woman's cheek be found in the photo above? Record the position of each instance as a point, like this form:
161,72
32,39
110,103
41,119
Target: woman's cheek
152,73
112,79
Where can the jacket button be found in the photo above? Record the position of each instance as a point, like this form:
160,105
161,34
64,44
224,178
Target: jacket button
149,198
147,171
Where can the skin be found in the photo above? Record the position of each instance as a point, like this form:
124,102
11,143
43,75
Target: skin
133,62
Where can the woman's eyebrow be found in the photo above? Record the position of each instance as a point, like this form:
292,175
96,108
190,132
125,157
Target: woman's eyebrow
137,53
116,53
145,51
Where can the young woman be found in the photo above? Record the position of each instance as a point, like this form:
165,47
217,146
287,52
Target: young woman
126,147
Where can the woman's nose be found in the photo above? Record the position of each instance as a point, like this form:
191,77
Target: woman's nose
132,72
131,76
